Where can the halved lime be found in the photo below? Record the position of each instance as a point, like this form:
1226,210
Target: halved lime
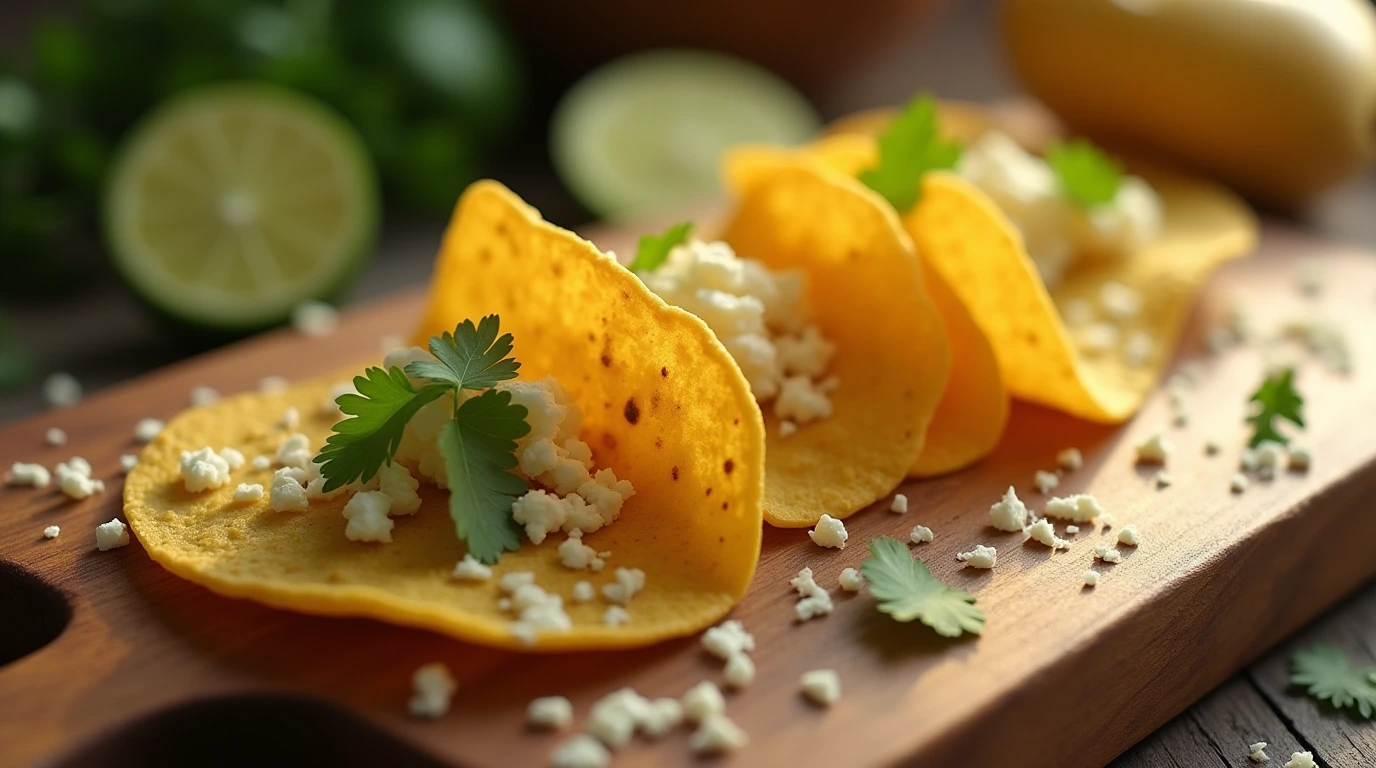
645,132
234,203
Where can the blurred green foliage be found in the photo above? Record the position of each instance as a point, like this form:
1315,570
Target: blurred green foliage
432,85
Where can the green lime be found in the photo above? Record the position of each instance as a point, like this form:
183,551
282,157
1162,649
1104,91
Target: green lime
645,133
232,204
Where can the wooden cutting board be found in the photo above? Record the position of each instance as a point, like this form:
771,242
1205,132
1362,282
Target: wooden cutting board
133,666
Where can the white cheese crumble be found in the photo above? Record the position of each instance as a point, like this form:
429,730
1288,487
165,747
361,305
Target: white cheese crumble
204,470
980,557
286,494
552,713
470,569
921,535
899,504
628,582
583,592
1009,513
248,492
660,717
829,533
1129,535
728,639
74,479
61,390
1237,483
1257,752
1046,481
1163,479
112,535
291,419
52,532
395,480
1108,554
314,318
739,671
574,554
1091,578
1300,459
272,385
702,701
1096,338
1119,301
367,516
514,580
1070,459
432,689
821,686
1270,456
787,428
1138,348
128,461
716,734
55,436
815,601
35,475
851,580
1072,529
1044,532
261,462
295,451
202,396
1301,760
1079,507
147,429
536,609
582,751
614,717
1154,450
615,616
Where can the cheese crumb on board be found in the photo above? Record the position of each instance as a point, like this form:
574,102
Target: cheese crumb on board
272,385
921,535
1091,578
1046,481
1079,508
582,751
52,532
74,479
112,535
1212,447
61,389
1044,531
739,671
248,492
1257,752
717,735
1009,513
1129,535
702,701
1154,450
128,461
728,639
432,688
551,713
1108,554
1299,459
35,475
787,428
1072,529
147,429
851,580
314,318
202,396
55,436
821,686
899,504
1237,483
980,557
1301,760
471,569
814,601
659,717
1070,459
829,533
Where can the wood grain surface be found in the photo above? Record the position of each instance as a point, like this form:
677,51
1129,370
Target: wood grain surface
1064,675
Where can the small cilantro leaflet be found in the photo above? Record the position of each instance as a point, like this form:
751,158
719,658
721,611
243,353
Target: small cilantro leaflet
478,447
385,402
654,249
906,590
1276,398
1088,176
1327,675
909,148
469,358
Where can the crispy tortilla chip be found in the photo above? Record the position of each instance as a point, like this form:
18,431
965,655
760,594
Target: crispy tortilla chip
974,406
663,405
866,295
963,235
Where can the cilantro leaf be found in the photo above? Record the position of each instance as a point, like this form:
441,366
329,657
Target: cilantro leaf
654,249
1276,398
1327,675
906,590
909,148
385,402
1088,176
478,447
469,358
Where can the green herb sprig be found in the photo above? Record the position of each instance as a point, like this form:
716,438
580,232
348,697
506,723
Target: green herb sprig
1326,675
654,249
909,148
906,590
1276,398
1088,177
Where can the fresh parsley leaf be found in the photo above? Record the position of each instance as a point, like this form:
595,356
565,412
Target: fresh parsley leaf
1327,675
479,447
385,402
469,358
906,590
654,249
909,148
1088,176
1276,398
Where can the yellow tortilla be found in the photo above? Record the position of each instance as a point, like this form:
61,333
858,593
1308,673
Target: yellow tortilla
663,405
963,235
866,294
973,409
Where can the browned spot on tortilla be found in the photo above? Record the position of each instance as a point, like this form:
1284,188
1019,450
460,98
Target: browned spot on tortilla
609,440
674,472
606,360
664,372
729,466
631,411
709,491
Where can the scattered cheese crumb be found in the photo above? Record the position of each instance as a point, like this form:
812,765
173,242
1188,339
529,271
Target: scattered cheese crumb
314,318
921,535
111,535
248,492
202,396
272,385
821,686
432,688
291,419
1080,508
1301,760
61,390
739,672
470,569
295,451
582,751
574,554
203,470
1009,513
1046,481
717,734
1129,535
1091,578
1309,280
728,639
1154,449
1138,348
74,479
1270,456
1119,301
1108,554
1072,529
514,580
286,494
814,600
1211,447
1300,459
261,462
1107,520
554,713
1247,460
899,504
55,436
980,557
1163,479
583,591
628,582
367,516
703,701
659,717
35,475
1070,459
615,616
128,461
829,532
1237,483
1096,338
852,580
1257,752
147,429
51,532
1044,532
787,428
